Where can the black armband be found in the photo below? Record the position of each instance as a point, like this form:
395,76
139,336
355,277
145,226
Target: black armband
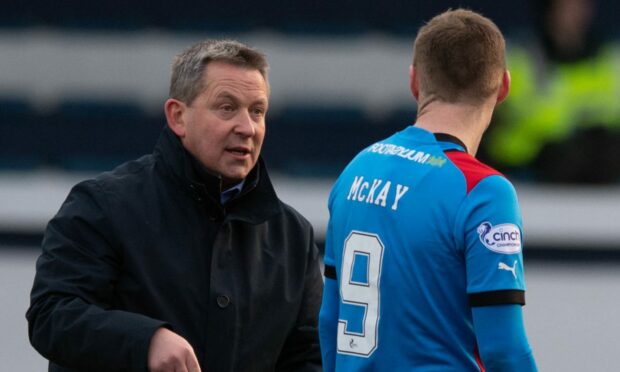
330,272
502,297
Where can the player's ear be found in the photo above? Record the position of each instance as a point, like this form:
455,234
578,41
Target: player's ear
504,88
175,116
414,83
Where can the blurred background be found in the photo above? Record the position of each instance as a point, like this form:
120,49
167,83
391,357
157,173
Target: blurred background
82,86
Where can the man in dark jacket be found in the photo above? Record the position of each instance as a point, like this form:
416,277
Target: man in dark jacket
185,259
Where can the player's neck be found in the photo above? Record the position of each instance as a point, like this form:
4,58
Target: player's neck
465,122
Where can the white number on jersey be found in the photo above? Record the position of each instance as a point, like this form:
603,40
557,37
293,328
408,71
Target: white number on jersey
363,293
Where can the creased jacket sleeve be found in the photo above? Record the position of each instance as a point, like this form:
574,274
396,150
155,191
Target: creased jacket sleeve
301,351
72,318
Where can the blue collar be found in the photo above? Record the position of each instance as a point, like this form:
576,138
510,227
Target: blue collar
450,142
230,193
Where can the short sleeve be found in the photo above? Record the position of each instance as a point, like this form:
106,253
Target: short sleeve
329,258
489,226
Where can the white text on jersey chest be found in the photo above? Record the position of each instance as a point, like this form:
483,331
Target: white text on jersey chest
376,192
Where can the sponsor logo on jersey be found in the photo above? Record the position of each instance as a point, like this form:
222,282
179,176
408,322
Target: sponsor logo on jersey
513,269
407,153
504,238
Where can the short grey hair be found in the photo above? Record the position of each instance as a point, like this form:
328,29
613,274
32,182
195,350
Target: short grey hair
188,67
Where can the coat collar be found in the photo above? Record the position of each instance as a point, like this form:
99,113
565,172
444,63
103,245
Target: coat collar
256,202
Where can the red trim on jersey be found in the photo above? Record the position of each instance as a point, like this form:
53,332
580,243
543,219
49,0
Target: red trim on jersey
473,170
478,359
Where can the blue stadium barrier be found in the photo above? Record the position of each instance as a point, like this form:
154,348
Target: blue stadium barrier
301,16
316,141
399,118
21,138
90,135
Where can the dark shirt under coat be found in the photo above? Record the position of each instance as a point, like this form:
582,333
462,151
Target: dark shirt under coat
149,245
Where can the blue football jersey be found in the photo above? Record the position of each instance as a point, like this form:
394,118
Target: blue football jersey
419,232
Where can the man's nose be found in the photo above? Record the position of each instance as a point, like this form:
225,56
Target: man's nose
245,125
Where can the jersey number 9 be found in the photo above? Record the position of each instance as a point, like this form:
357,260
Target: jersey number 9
359,287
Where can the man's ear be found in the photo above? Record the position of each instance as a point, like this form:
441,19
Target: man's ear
504,88
175,117
414,83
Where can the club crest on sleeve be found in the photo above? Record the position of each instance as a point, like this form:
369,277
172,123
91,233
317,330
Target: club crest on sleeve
504,238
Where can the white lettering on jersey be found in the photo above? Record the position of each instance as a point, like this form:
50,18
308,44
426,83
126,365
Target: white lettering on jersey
400,191
373,188
362,191
355,188
420,157
383,194
361,197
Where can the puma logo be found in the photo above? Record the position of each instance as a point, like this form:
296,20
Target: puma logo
513,269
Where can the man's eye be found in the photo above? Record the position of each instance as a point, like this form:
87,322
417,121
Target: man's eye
227,108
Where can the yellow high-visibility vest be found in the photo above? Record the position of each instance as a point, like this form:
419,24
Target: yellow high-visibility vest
548,102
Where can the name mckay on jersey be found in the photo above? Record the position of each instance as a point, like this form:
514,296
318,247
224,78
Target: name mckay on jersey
376,192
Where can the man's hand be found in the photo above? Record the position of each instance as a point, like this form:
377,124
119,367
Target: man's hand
170,352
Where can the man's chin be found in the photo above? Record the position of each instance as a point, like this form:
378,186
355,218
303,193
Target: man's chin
231,179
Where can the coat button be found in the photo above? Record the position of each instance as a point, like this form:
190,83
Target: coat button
223,301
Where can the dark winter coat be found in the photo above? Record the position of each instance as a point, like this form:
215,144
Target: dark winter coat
150,245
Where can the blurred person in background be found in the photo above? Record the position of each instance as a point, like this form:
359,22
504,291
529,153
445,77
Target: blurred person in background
185,259
562,121
423,260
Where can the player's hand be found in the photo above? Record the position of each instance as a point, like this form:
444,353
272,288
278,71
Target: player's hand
170,352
